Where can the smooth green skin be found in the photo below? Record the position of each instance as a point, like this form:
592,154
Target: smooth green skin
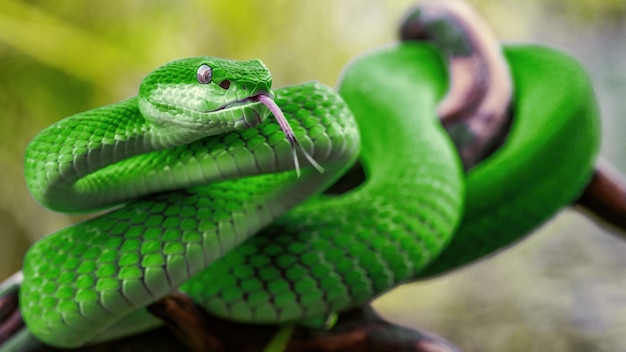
544,165
88,282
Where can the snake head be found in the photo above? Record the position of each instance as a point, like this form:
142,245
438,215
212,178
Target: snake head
205,95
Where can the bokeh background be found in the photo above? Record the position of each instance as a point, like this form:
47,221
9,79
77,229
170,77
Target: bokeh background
563,289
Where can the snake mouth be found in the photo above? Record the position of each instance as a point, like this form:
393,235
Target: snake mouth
238,103
251,111
248,100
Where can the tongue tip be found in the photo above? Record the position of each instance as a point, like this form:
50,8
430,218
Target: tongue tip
312,161
308,157
291,137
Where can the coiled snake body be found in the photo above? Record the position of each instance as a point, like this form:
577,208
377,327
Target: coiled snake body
194,197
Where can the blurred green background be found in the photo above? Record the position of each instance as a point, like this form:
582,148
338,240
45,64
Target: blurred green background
564,289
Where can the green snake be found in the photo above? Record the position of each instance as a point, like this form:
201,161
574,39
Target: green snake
214,206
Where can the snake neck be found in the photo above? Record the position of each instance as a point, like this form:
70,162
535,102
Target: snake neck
68,162
110,155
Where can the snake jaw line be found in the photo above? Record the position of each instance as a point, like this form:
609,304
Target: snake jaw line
291,137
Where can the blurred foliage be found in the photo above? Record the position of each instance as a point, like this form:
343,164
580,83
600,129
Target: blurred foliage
561,290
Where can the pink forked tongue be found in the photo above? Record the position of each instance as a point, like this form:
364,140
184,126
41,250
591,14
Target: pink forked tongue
291,137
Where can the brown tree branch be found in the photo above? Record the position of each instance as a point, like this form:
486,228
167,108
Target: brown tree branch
605,199
356,331
185,319
475,108
189,328
10,317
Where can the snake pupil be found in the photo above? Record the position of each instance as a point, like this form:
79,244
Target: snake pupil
204,74
225,84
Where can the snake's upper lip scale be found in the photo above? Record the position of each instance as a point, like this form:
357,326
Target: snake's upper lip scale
254,98
167,105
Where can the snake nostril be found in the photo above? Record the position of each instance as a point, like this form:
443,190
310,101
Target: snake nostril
225,84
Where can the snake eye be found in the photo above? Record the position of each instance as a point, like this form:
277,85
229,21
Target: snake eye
204,74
